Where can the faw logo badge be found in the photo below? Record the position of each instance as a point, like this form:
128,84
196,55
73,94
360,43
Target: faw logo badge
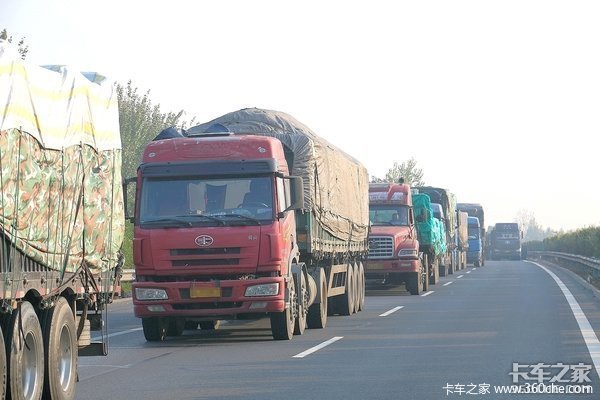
204,240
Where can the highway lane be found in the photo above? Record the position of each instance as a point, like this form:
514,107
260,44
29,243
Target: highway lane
468,332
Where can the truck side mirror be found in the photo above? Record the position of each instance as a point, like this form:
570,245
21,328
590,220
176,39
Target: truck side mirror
296,193
127,198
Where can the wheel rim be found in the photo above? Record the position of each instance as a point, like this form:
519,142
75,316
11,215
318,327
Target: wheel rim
65,361
29,377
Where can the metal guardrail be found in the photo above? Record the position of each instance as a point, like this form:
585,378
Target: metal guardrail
587,268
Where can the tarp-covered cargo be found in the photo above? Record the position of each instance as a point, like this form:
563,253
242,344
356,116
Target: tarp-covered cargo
463,230
61,199
335,184
430,230
448,202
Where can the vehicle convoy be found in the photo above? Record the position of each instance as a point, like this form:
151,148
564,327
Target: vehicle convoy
475,253
394,254
476,210
445,198
431,236
506,241
61,220
249,214
462,239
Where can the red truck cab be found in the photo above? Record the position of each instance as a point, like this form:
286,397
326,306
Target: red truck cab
393,245
214,234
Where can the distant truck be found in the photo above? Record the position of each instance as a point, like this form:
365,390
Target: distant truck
462,239
249,214
431,235
61,223
448,261
506,241
394,254
476,210
475,253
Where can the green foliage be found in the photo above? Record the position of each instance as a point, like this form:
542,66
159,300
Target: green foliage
584,242
21,47
140,121
407,170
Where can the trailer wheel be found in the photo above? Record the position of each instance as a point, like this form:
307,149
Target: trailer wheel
414,283
60,345
346,300
317,313
302,304
2,366
425,272
361,286
25,350
176,326
477,264
210,325
282,323
155,329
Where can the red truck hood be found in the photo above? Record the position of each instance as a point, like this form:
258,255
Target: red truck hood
200,251
399,232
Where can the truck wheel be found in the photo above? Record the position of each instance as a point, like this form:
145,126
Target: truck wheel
414,283
477,264
282,323
356,287
25,349
155,329
302,304
361,286
176,326
210,325
60,345
2,365
346,300
317,313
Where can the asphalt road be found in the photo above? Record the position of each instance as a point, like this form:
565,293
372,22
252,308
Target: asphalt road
460,341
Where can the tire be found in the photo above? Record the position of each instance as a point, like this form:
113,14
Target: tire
2,366
176,326
361,285
434,275
302,304
356,280
25,349
425,272
346,300
60,346
414,283
210,325
317,313
155,329
477,264
282,323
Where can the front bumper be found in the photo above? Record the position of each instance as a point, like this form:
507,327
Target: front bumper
224,298
377,267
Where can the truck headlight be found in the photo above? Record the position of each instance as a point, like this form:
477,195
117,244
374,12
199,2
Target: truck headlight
150,294
407,253
266,289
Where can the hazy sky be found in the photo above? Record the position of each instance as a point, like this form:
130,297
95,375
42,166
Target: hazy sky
496,100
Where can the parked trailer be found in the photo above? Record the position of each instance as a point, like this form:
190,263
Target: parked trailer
61,223
270,220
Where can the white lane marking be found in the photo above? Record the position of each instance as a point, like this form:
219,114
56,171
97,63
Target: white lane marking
94,339
460,276
589,336
318,347
393,310
468,272
447,283
427,293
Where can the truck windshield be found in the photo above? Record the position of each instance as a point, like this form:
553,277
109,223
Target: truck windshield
388,214
206,202
473,232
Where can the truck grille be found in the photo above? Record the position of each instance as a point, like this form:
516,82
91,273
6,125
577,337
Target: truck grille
381,247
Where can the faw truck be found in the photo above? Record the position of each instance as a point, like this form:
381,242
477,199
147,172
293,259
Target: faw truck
394,254
61,223
431,236
250,214
448,261
475,253
506,241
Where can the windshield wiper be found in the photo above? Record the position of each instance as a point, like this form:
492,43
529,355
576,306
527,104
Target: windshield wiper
247,218
160,221
208,217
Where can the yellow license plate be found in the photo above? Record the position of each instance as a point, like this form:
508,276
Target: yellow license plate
375,266
201,291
